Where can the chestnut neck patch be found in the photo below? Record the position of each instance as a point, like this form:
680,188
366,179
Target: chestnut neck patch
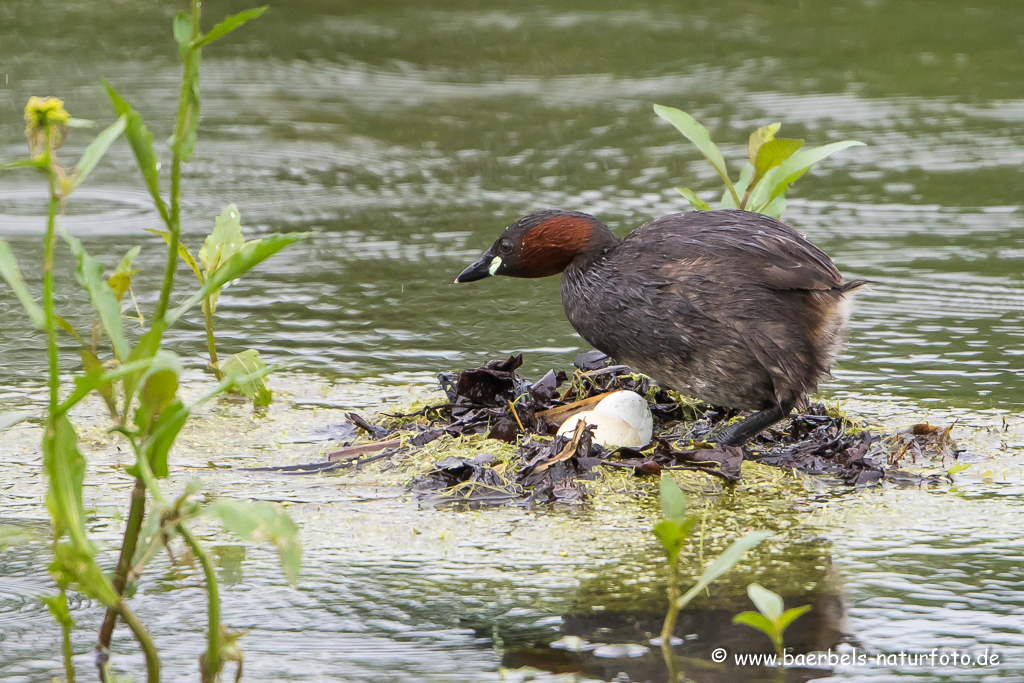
550,246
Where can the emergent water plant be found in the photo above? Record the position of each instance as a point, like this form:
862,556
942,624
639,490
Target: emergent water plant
220,245
138,383
774,164
771,618
672,532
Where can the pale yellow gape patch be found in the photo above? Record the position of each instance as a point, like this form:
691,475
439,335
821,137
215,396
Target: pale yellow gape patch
495,264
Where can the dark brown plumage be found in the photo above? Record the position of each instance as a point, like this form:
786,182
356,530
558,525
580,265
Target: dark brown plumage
732,307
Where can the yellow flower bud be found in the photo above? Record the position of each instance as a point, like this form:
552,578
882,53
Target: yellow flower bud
42,114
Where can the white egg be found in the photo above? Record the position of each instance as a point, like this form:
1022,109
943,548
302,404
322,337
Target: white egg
609,429
631,408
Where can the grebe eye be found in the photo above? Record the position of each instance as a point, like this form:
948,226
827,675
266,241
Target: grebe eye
505,247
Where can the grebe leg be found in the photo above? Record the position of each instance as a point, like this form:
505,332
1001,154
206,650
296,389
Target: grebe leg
741,432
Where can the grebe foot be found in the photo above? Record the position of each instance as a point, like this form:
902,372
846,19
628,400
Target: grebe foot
739,433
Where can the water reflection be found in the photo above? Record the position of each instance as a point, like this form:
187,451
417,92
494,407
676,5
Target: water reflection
613,619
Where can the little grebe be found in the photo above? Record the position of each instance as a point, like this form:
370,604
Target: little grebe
731,307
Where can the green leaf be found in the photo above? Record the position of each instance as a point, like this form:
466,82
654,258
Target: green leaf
958,468
94,368
252,254
759,137
160,382
723,563
248,372
695,201
182,29
767,602
670,535
141,141
775,209
165,431
791,615
183,252
73,564
21,163
12,275
228,25
159,389
699,136
89,274
160,414
95,379
673,535
13,417
757,621
125,264
673,504
224,242
121,279
96,149
145,349
746,175
262,522
778,179
66,326
58,605
65,471
774,152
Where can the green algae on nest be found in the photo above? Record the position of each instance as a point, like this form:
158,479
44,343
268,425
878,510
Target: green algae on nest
420,420
496,404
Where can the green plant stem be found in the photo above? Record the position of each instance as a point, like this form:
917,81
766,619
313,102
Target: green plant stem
129,543
147,476
52,355
135,518
669,626
211,343
174,224
69,665
50,315
65,627
145,642
212,661
746,195
732,191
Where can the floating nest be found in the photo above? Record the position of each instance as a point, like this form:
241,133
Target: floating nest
493,440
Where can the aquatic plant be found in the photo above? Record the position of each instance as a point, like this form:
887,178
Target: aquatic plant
774,164
771,618
957,468
220,245
672,531
139,384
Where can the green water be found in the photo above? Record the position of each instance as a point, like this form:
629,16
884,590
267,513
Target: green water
406,135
